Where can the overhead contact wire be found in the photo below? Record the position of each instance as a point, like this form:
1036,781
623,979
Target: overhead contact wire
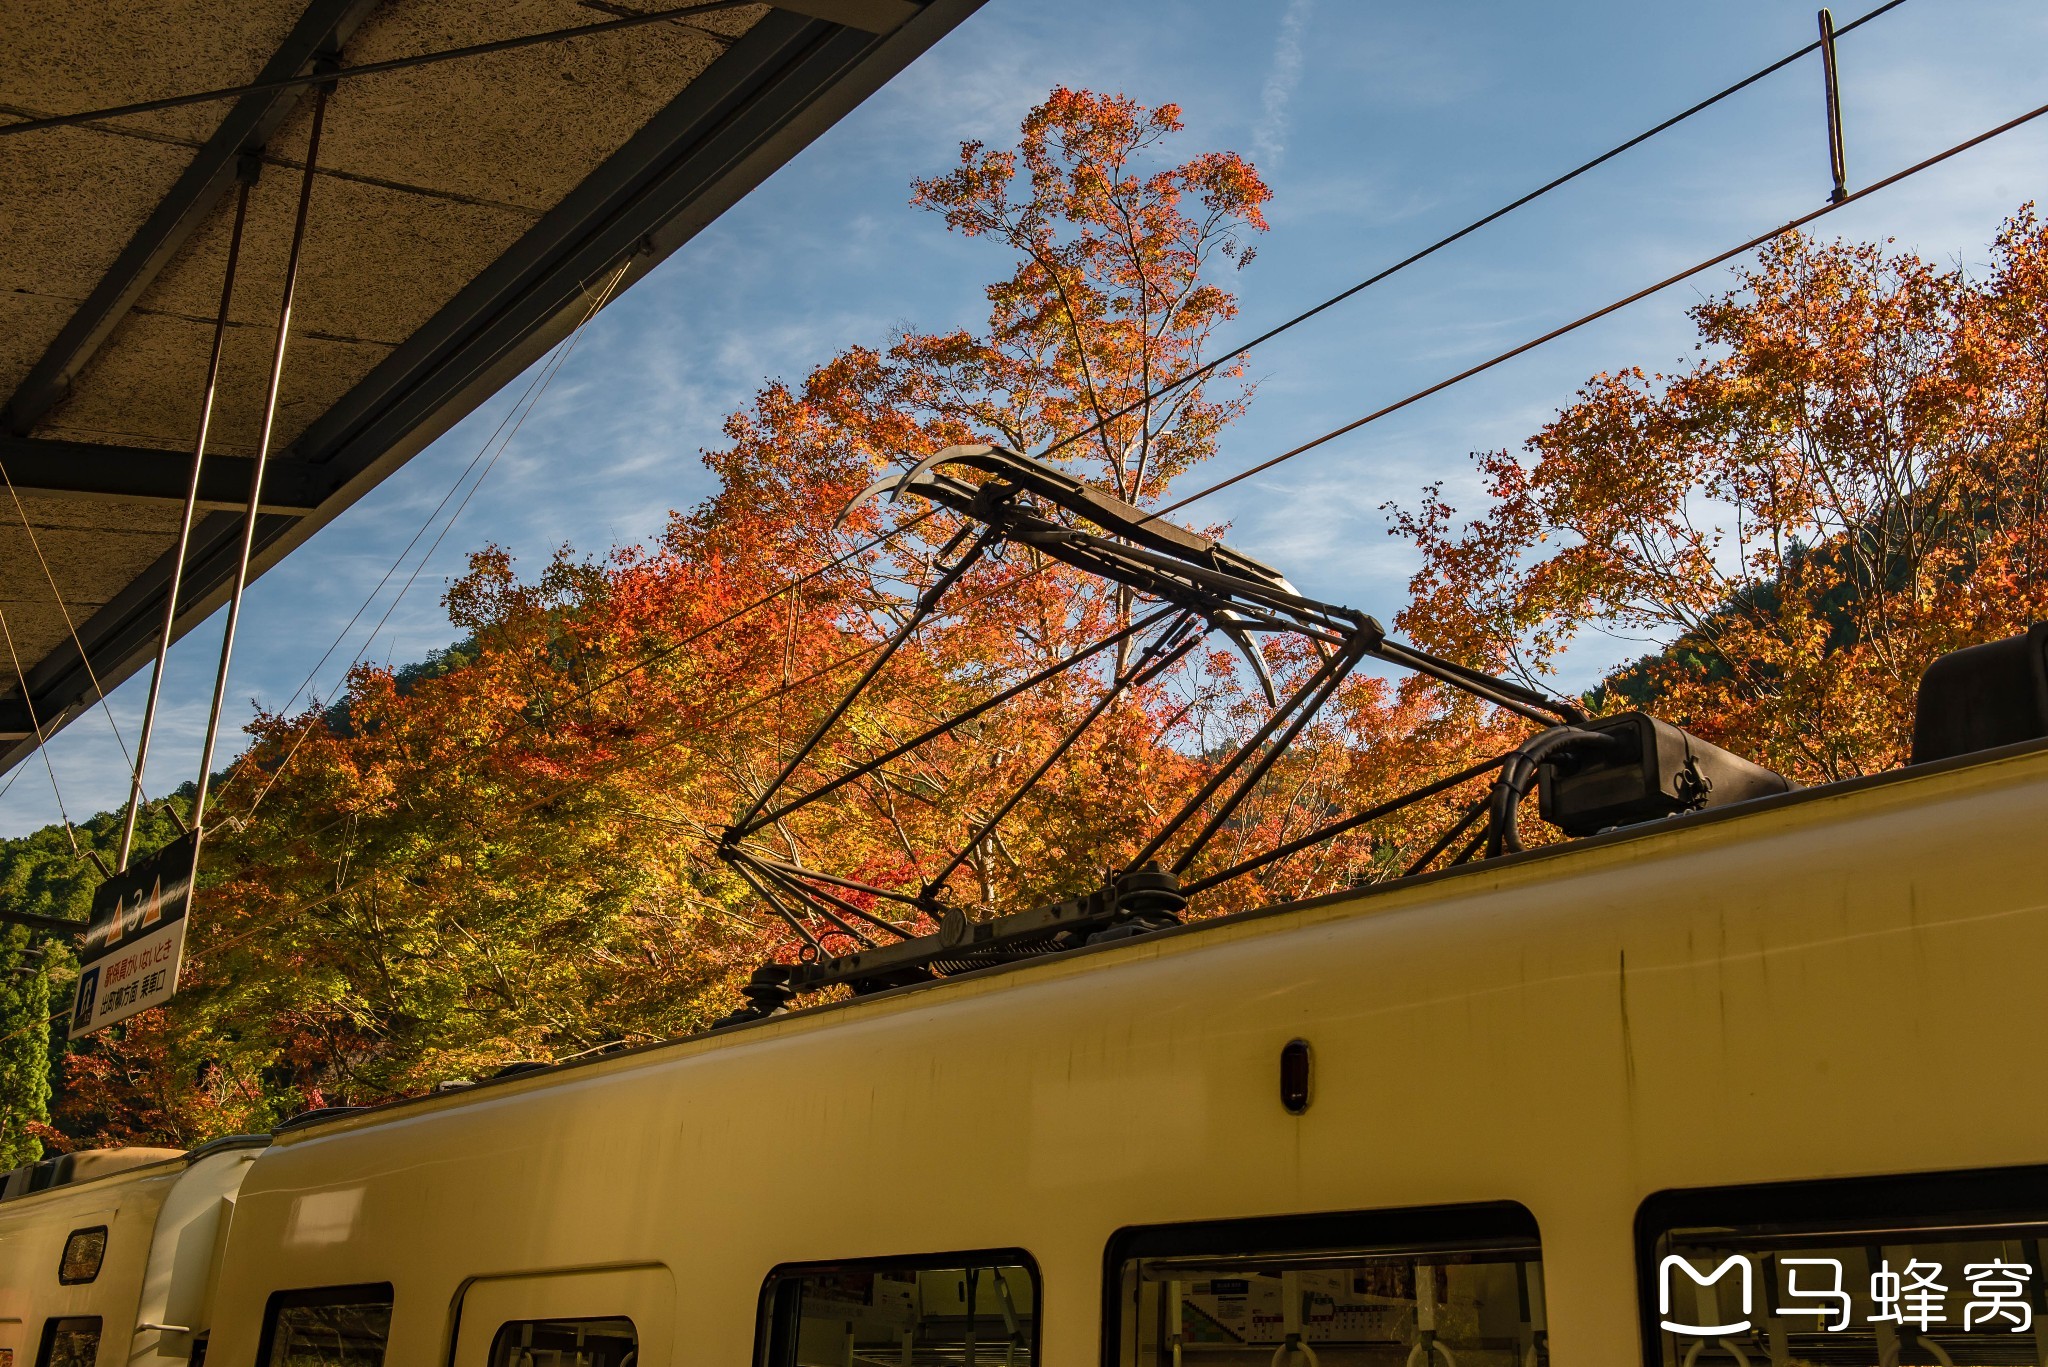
1667,282
1474,226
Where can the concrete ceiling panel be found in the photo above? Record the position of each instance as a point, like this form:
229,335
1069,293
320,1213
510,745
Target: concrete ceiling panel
64,56
522,127
28,323
133,396
62,178
377,261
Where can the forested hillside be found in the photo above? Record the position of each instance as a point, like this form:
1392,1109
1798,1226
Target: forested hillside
509,855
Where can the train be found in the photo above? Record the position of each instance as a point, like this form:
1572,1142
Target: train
1761,1084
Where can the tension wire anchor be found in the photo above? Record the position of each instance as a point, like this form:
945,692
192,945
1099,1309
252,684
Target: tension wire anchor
1837,163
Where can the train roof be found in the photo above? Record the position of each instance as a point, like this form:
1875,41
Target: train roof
69,1172
463,215
1927,784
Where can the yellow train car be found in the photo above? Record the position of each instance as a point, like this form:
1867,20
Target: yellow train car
1758,1085
110,1256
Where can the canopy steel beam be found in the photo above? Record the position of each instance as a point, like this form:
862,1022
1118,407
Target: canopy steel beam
14,722
79,469
325,25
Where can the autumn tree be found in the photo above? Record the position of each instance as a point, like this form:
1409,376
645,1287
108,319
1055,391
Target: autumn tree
1114,252
1847,484
512,856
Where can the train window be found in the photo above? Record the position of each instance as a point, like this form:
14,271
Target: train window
84,1251
329,1326
565,1343
1942,1267
1431,1287
72,1342
959,1309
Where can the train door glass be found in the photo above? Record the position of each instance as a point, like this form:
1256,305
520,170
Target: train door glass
1443,1286
72,1342
620,1317
948,1310
566,1343
1928,1268
328,1326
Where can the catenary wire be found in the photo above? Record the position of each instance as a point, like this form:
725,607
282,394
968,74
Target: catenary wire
417,59
1678,277
85,658
1610,154
36,724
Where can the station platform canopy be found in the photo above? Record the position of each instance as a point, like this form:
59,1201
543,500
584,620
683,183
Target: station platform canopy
463,213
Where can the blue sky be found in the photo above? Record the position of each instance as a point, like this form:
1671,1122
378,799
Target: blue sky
1380,127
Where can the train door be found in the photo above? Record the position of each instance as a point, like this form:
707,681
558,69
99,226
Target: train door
618,1317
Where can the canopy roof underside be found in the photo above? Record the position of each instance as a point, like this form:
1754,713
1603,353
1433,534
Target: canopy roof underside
462,214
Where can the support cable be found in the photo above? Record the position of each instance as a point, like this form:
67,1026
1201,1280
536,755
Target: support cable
91,675
1719,258
232,92
1188,377
208,392
37,725
284,326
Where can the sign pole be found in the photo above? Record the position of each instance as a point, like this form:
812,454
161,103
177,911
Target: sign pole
134,945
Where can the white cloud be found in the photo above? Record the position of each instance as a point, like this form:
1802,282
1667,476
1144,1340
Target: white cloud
1269,134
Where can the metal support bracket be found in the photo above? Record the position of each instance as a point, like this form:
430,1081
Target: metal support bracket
1183,587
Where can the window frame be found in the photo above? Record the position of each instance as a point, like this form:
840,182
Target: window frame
1466,1225
1960,1199
764,1313
354,1293
106,1236
48,1343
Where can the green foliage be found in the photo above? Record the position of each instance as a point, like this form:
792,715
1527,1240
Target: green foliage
40,875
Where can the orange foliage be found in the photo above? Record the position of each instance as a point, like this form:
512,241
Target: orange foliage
1849,484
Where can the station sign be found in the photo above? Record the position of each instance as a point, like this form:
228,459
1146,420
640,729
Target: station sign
134,944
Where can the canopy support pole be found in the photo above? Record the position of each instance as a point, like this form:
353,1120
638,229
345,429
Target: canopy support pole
284,324
246,173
